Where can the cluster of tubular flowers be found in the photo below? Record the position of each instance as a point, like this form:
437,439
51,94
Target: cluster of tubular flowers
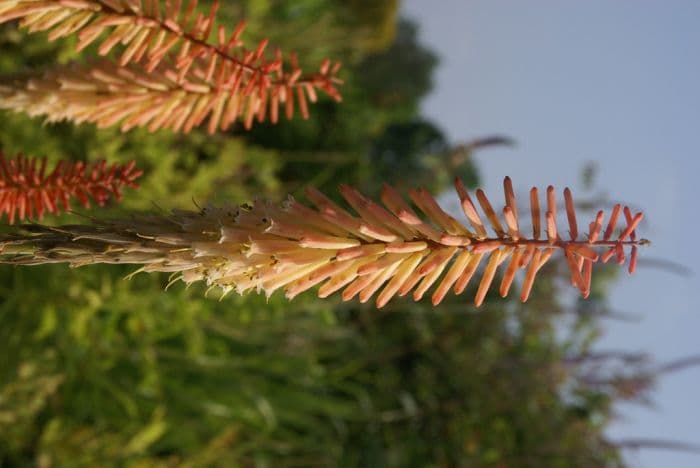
28,189
383,251
168,73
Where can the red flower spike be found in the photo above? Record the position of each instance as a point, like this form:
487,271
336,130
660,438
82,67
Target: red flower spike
28,192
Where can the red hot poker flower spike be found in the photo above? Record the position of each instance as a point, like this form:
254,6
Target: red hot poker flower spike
363,250
28,190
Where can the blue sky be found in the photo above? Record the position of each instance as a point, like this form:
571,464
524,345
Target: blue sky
617,83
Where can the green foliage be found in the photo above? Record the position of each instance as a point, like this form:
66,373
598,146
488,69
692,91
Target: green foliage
331,28
117,370
380,105
420,148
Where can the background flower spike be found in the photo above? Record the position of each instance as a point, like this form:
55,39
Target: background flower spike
167,72
29,190
376,252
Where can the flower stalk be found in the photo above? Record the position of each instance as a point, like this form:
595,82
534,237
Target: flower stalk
374,251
